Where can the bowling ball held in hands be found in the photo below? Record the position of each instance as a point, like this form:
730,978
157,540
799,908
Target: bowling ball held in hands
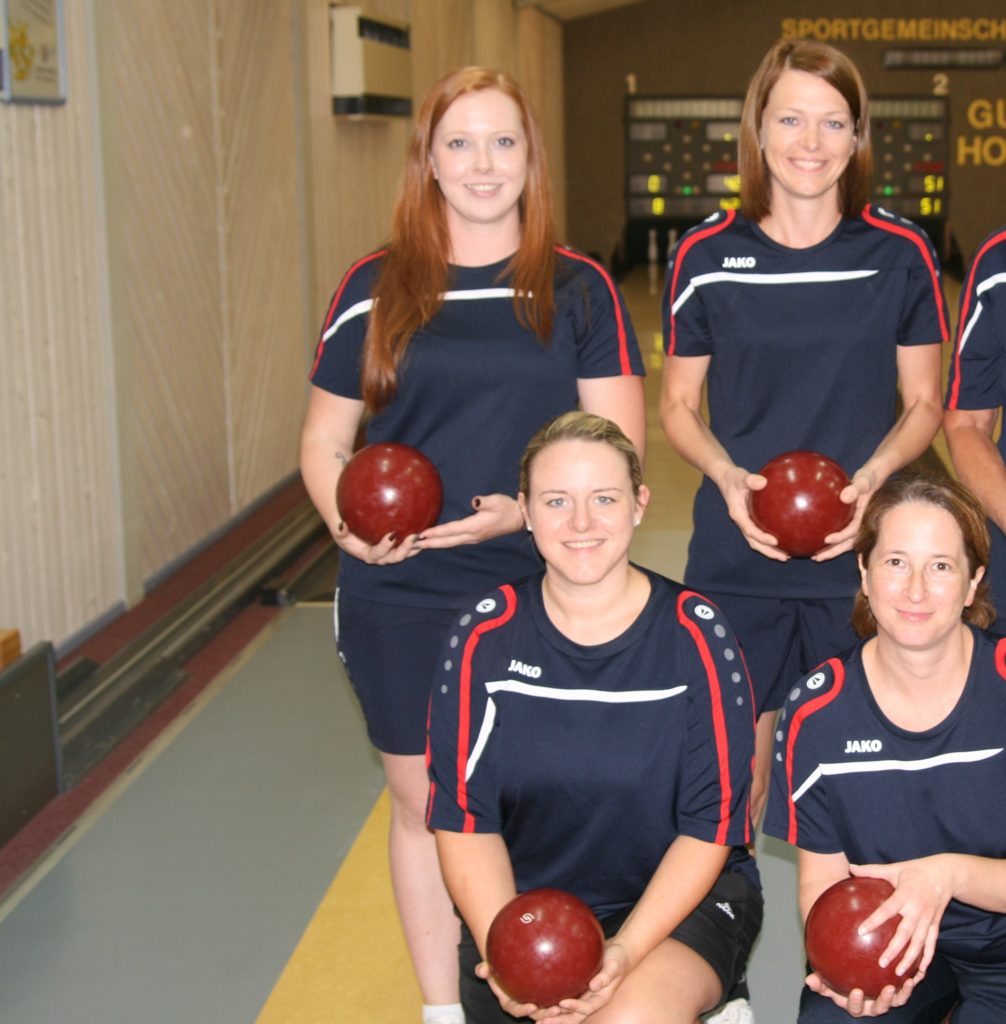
543,946
389,488
841,957
800,504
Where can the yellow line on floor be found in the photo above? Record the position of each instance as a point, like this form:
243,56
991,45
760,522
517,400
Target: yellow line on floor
351,964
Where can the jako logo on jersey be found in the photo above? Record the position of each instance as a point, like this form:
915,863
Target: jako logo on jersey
863,746
531,671
741,262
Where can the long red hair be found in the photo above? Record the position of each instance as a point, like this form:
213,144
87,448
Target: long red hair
414,273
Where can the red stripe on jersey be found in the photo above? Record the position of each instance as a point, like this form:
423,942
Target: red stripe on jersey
748,838
678,259
329,316
719,722
465,703
623,340
794,731
927,256
1001,657
965,315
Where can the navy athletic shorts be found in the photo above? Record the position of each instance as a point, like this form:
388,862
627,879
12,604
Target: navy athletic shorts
976,992
390,652
785,638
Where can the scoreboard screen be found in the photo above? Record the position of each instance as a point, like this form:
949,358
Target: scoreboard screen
681,156
911,156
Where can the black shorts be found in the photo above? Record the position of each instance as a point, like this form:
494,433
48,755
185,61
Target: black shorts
722,929
390,652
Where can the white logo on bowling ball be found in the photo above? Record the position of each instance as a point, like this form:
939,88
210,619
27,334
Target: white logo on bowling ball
703,611
526,918
816,681
485,606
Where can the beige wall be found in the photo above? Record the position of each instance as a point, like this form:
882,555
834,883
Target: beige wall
713,51
170,238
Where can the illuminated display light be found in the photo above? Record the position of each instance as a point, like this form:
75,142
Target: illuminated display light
659,107
916,109
725,131
733,203
657,206
655,183
960,58
930,207
930,184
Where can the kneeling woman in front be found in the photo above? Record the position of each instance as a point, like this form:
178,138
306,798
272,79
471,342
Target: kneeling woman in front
592,730
889,763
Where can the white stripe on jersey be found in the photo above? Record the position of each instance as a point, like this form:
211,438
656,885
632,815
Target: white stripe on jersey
603,696
819,276
356,310
970,326
554,693
472,293
855,767
989,282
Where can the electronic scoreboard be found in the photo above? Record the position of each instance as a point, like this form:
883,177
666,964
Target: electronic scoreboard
681,162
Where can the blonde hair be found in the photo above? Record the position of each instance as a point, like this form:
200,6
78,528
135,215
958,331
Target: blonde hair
581,426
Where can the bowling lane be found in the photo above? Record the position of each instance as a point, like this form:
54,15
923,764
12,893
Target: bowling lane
181,897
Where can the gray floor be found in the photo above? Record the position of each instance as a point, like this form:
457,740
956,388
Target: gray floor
180,900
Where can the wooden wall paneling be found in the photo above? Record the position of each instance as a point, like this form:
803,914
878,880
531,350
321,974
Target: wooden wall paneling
264,371
59,545
442,40
540,71
162,203
351,168
493,35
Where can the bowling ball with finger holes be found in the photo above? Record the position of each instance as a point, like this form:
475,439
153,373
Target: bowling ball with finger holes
800,504
387,488
841,957
543,946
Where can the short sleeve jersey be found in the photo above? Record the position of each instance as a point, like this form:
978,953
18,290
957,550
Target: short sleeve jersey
803,346
846,779
977,378
473,388
591,760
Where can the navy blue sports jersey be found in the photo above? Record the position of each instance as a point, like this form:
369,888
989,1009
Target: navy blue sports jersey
846,779
473,388
804,355
591,760
978,369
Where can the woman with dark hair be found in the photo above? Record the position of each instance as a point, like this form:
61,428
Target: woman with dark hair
808,311
470,329
889,762
591,730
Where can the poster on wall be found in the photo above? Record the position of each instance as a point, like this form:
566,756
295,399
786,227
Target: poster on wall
32,51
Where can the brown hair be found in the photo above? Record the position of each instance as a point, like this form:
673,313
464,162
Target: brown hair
831,65
580,426
953,498
414,272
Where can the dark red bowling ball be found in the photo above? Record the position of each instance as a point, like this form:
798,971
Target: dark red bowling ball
841,957
545,945
387,488
800,504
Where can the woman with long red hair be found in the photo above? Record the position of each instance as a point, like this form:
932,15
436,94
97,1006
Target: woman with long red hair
461,337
